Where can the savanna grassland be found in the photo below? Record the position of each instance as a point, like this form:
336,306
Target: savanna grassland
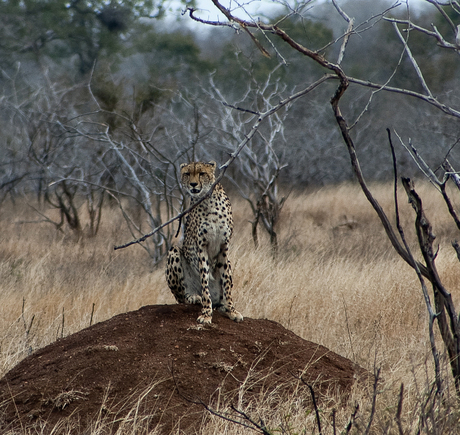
336,281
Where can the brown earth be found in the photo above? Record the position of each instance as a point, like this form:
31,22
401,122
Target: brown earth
158,362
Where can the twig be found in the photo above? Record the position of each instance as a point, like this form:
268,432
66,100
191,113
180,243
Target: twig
369,101
62,326
434,33
422,165
351,422
91,318
450,206
374,401
315,406
27,329
241,109
348,328
257,426
414,63
191,12
399,410
348,33
450,171
436,4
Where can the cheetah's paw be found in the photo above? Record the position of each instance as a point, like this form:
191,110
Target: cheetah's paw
235,315
205,320
232,314
193,299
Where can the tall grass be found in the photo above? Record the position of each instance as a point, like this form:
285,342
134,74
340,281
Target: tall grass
336,281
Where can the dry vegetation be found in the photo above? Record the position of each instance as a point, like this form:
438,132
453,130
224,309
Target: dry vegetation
336,282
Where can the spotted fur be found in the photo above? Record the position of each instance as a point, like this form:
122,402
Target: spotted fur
199,271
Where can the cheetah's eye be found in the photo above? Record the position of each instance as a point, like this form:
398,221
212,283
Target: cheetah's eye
202,174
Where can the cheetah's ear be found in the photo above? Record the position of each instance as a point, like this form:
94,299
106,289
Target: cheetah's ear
183,165
212,163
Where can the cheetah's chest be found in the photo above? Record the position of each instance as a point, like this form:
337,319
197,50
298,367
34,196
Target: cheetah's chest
209,226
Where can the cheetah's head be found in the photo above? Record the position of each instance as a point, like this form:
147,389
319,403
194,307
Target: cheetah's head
197,177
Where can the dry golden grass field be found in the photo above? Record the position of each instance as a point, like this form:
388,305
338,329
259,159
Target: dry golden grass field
336,282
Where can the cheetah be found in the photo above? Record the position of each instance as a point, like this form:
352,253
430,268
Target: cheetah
199,271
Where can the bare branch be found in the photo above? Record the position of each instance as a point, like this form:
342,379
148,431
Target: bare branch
423,166
437,5
348,33
413,61
428,99
191,12
450,172
382,88
433,33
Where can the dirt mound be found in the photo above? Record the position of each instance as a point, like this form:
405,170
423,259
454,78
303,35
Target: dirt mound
159,362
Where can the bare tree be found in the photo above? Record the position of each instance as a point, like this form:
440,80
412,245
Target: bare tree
74,159
256,171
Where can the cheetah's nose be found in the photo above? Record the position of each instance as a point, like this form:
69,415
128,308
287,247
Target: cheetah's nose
193,188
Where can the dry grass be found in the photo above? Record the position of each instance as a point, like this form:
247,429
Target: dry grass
336,282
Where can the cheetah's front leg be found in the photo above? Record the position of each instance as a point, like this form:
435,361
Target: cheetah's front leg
226,281
206,303
176,280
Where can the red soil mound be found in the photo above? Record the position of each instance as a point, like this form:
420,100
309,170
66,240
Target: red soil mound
158,362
